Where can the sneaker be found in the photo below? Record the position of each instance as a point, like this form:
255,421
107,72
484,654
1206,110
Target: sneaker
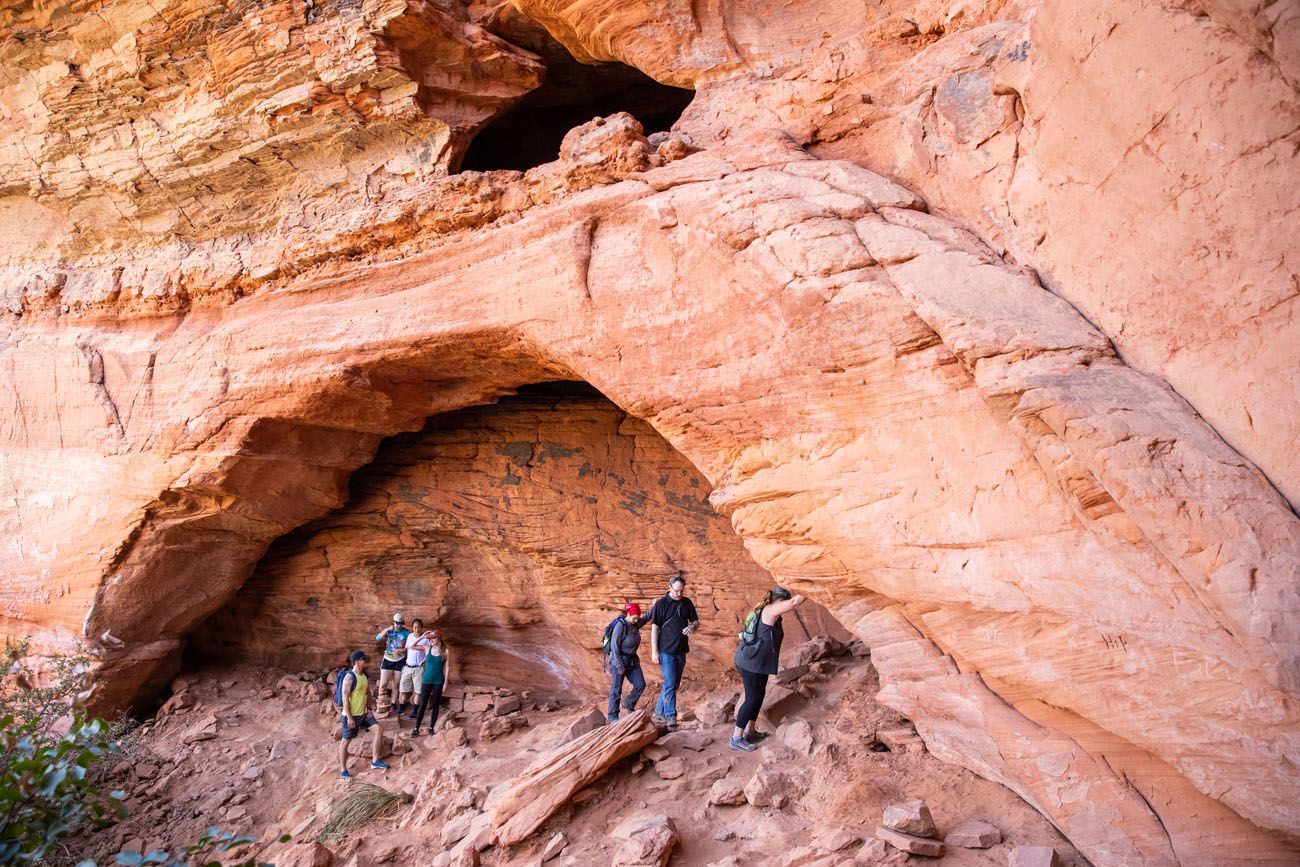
658,720
743,745
671,722
611,720
413,733
755,736
379,765
345,775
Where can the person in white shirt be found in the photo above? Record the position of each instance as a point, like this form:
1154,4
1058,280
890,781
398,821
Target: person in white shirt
417,645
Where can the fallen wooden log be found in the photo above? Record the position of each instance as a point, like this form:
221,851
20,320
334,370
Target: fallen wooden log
547,784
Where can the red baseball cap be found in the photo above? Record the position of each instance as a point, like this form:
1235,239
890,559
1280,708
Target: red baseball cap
632,608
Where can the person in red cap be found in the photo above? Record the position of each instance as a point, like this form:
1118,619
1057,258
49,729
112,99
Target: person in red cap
623,661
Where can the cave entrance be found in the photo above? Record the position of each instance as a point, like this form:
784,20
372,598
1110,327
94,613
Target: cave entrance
519,528
529,133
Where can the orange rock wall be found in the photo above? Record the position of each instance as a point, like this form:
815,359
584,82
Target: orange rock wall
978,319
518,529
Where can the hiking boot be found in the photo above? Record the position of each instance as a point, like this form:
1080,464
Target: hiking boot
658,720
345,775
611,720
743,745
671,722
413,733
379,765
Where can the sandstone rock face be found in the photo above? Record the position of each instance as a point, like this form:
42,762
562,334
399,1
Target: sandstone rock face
1023,422
519,529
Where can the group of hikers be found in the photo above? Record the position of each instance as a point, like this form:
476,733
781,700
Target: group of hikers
673,619
416,666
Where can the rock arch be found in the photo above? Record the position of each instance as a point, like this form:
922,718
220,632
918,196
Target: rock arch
894,420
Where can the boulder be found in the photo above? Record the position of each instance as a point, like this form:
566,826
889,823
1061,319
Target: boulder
909,843
458,827
818,647
874,851
719,708
1033,856
311,854
798,736
506,705
479,703
807,856
656,752
973,834
648,841
553,847
791,673
671,768
499,726
450,737
204,730
465,856
901,739
591,720
727,793
912,817
837,839
768,788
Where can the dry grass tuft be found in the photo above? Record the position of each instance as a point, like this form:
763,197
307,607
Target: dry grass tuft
363,803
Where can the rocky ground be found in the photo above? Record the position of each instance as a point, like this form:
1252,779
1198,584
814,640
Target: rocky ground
254,751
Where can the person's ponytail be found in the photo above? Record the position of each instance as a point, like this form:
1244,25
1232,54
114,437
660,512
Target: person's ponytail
766,601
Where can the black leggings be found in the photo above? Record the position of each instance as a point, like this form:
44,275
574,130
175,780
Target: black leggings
755,692
430,696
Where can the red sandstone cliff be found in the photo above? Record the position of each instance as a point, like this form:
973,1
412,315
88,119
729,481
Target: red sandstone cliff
979,319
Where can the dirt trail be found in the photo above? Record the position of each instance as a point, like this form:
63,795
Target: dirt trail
254,751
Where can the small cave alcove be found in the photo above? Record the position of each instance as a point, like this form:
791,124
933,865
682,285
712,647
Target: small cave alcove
518,528
529,133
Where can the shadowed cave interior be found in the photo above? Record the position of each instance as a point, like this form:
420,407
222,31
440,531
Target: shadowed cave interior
529,133
518,528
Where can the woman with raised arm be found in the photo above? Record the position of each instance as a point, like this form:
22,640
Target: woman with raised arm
757,658
436,673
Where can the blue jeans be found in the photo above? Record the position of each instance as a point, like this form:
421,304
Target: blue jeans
635,678
672,665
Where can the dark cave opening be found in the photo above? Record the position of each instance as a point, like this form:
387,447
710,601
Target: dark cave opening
530,132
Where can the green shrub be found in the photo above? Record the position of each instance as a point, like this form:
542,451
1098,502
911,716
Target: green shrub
205,852
47,750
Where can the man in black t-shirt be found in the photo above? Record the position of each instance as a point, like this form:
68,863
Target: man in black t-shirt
672,621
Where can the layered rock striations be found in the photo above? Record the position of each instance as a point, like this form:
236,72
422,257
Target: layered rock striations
1022,422
518,529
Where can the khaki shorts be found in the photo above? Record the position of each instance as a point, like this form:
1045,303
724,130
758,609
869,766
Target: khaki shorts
411,676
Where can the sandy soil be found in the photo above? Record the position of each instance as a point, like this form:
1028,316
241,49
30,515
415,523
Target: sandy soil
268,767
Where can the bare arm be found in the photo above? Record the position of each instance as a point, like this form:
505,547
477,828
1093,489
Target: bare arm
349,684
654,640
776,609
383,633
